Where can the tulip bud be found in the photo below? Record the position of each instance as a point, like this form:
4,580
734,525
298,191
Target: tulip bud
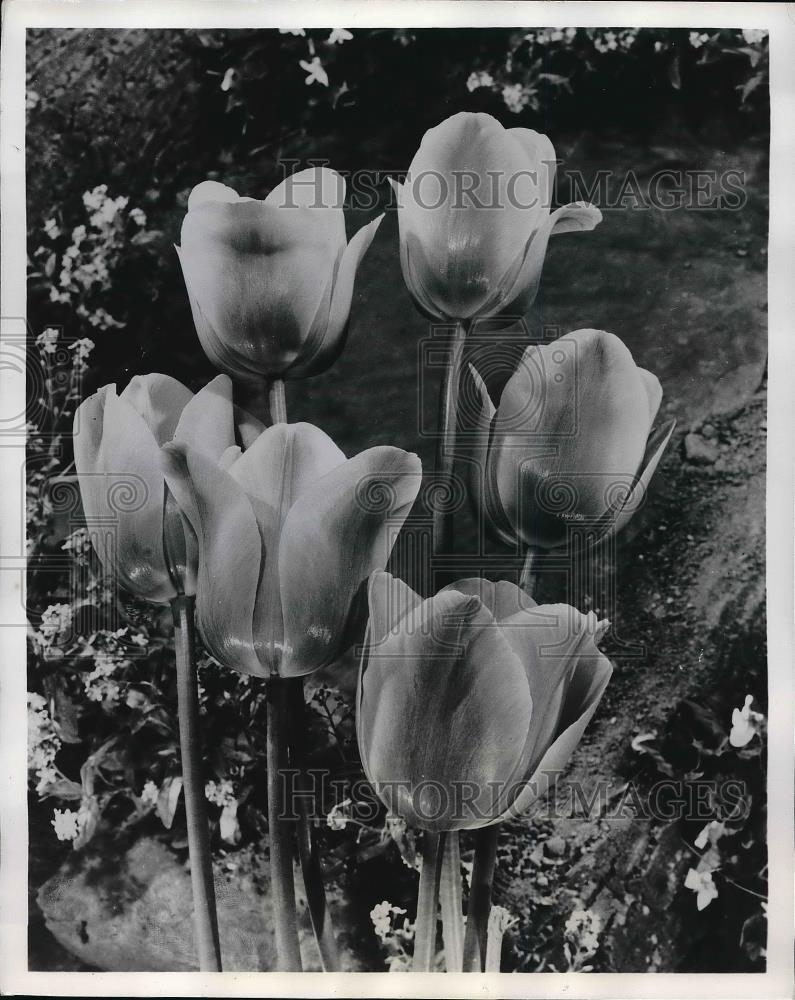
474,217
569,445
470,703
270,282
288,530
137,531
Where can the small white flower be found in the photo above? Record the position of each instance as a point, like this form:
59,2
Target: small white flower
556,35
138,216
753,35
338,36
66,824
150,793
745,724
696,39
338,817
229,80
292,31
712,832
52,229
701,883
229,826
47,342
315,71
479,79
658,46
514,98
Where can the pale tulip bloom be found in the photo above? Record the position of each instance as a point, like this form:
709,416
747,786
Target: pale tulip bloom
471,703
474,217
569,445
288,531
270,282
117,440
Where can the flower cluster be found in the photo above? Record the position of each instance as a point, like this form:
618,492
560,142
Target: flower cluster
395,932
581,938
80,264
222,793
43,742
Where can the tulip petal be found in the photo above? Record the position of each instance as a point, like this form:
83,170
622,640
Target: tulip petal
591,678
258,274
482,485
335,535
207,422
248,427
541,156
411,275
331,343
319,348
283,462
658,442
471,202
233,362
390,600
654,390
211,191
570,432
160,400
549,640
123,492
230,554
503,598
322,191
444,709
576,217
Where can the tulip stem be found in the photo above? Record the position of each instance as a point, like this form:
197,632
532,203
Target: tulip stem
288,952
528,580
445,448
277,402
308,852
427,903
450,900
480,898
208,944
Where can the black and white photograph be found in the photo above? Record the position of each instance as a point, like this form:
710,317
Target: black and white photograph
397,499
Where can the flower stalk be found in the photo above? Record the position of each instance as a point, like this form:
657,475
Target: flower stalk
308,852
288,952
427,903
277,403
450,902
480,898
201,873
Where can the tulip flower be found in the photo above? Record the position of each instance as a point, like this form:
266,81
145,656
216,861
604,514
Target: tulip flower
569,443
288,530
270,282
474,217
117,440
471,702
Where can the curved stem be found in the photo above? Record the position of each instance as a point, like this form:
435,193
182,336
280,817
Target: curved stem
527,580
480,898
427,904
445,447
208,945
288,952
308,852
277,402
450,900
